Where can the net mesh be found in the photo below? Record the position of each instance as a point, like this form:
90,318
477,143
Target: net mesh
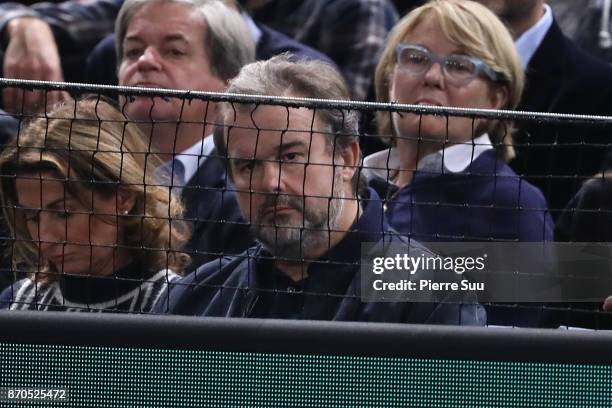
109,198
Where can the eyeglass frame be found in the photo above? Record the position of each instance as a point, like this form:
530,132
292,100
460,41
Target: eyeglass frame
481,66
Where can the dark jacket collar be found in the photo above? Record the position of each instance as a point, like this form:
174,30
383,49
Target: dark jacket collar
548,58
545,70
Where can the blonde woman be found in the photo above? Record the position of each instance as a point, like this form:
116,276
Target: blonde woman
89,224
447,178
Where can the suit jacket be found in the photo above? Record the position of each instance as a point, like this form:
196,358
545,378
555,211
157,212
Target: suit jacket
102,62
562,78
212,213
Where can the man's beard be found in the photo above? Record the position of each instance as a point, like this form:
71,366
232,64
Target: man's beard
294,241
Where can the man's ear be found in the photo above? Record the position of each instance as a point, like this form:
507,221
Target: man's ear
126,200
349,156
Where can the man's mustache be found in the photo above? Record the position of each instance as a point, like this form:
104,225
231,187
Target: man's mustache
272,201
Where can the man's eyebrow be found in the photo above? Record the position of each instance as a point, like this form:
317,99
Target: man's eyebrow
291,145
237,162
132,38
175,37
168,38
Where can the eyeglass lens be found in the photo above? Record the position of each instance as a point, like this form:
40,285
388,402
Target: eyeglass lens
458,69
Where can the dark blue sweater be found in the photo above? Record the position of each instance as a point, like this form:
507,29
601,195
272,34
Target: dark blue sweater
486,201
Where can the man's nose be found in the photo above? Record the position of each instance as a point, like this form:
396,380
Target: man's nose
272,177
149,59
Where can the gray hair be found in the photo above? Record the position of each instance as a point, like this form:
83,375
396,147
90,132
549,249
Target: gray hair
282,76
228,41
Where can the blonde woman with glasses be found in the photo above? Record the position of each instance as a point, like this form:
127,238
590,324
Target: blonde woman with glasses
446,178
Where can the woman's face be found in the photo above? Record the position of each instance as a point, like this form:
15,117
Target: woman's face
72,237
432,88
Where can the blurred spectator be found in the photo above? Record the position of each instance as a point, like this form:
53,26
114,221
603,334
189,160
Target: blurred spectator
8,130
91,236
446,178
197,45
33,36
587,23
588,215
403,7
296,173
350,32
588,219
607,306
560,78
101,63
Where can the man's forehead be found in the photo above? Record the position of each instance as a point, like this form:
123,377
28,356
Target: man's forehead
267,145
180,20
247,139
279,118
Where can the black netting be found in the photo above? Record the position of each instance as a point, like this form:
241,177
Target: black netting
265,204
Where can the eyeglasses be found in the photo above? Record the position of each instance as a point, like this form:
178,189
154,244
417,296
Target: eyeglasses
459,70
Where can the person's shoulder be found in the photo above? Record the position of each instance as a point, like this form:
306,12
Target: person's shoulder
165,275
274,42
19,291
594,193
219,269
578,61
508,187
190,294
393,242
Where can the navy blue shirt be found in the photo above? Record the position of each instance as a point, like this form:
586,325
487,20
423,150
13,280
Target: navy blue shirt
249,285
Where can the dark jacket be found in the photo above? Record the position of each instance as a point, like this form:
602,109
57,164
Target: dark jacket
588,216
587,219
485,201
212,213
562,78
250,286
